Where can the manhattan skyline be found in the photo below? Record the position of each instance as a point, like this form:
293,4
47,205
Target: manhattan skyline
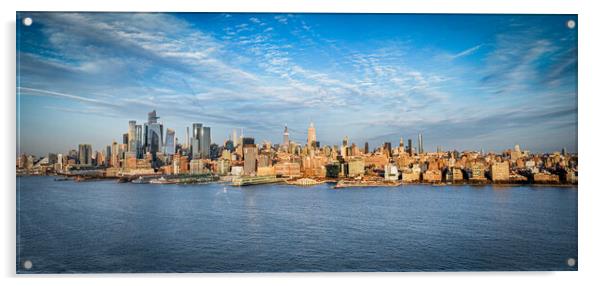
464,81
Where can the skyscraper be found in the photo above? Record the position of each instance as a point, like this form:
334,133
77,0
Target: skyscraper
249,155
114,154
420,142
139,142
311,135
108,156
387,148
170,141
152,117
344,146
366,149
132,136
410,151
234,138
206,139
187,140
201,140
196,141
285,140
84,154
154,133
248,141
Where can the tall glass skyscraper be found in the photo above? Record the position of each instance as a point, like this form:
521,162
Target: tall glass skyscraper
197,131
132,136
170,141
201,140
154,133
84,154
206,142
420,146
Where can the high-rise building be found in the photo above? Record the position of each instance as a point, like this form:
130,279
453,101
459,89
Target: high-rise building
125,139
187,140
114,154
84,154
132,136
154,133
170,141
234,138
206,138
201,140
285,139
420,142
366,149
108,156
139,142
410,151
344,146
401,142
311,135
387,148
250,158
59,162
248,141
152,117
196,141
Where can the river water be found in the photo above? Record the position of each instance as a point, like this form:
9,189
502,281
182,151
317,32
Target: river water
104,226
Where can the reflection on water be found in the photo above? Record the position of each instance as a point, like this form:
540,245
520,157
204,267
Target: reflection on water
108,227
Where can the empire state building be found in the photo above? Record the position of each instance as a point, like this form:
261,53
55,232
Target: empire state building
285,140
311,135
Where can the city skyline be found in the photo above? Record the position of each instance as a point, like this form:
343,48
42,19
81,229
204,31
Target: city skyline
463,81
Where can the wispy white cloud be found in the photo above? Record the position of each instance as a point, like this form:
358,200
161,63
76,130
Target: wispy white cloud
466,52
248,68
41,92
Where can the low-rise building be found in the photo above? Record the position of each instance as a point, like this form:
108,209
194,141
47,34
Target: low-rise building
457,174
571,177
500,171
545,178
432,176
391,173
266,171
356,166
197,166
288,169
237,170
477,172
223,166
410,176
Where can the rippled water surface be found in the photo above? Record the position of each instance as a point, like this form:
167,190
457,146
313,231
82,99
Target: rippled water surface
104,226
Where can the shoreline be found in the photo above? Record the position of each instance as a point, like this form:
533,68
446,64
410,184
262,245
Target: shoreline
347,184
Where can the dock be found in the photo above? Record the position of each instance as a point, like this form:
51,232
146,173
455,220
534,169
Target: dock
255,180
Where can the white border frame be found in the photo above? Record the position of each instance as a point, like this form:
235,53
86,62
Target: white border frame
589,132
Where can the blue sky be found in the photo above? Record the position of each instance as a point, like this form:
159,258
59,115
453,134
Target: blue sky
465,81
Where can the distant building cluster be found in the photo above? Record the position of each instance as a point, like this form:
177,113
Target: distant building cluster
150,149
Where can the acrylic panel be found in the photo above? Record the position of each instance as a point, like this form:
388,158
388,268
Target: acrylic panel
301,142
